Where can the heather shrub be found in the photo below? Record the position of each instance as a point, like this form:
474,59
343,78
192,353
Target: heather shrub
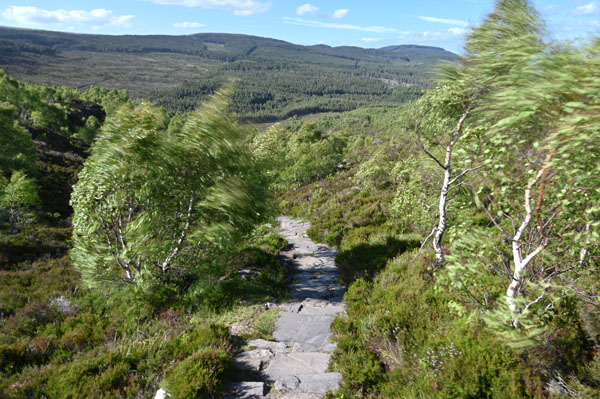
198,376
211,335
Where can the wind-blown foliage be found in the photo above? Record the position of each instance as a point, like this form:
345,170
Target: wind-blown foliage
150,207
523,110
17,197
300,157
513,312
541,177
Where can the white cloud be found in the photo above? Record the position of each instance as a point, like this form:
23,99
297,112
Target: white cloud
237,7
370,39
188,25
317,24
428,36
341,13
37,16
586,9
445,21
457,31
307,9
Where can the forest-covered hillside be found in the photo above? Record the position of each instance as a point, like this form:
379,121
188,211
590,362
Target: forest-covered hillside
277,79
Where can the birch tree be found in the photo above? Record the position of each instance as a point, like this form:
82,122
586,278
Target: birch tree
17,197
17,151
541,173
504,44
548,126
150,206
439,120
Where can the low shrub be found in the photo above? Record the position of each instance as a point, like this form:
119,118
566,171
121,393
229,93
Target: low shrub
362,372
81,336
114,377
29,321
198,376
400,340
35,285
568,345
98,374
13,357
216,336
472,363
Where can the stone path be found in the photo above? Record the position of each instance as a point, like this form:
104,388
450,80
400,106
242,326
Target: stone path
295,365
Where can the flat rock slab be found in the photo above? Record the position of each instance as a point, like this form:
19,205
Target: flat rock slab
274,347
305,276
297,363
330,310
252,360
306,263
315,307
307,283
309,383
315,279
293,395
302,246
304,329
302,292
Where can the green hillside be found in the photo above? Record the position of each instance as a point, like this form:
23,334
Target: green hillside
276,79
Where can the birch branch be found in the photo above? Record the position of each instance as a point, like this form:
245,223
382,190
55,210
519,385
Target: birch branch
425,242
430,155
493,219
530,304
464,172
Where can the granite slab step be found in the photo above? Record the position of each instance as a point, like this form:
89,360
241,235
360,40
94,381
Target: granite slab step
297,363
309,383
303,328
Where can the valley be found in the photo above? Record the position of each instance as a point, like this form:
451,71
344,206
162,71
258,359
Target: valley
277,79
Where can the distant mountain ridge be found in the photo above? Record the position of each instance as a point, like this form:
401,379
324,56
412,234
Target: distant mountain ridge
277,79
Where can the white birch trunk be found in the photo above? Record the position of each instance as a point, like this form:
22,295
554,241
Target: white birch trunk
446,184
521,262
443,218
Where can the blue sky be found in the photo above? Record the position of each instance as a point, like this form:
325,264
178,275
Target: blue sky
362,23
